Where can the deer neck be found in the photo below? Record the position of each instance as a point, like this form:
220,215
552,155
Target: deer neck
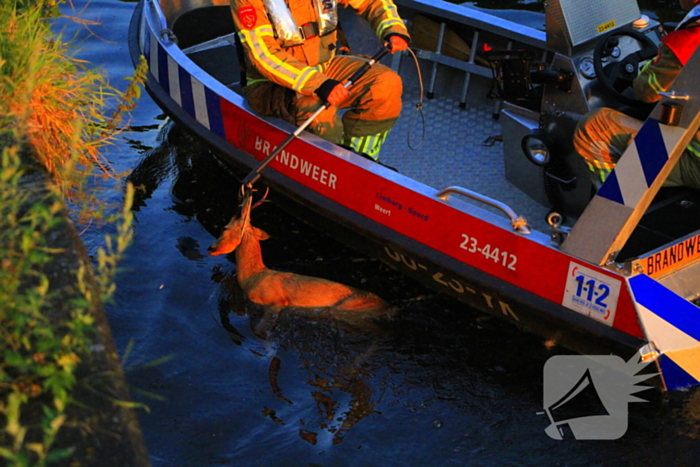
249,257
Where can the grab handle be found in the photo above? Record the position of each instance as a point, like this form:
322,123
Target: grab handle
518,222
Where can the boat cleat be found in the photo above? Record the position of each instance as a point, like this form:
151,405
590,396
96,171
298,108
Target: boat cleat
557,232
491,140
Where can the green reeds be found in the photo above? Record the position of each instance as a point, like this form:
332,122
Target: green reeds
52,121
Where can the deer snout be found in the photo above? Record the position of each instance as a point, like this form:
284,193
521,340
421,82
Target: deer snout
217,248
212,250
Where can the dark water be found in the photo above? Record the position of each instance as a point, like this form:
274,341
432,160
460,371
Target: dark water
438,385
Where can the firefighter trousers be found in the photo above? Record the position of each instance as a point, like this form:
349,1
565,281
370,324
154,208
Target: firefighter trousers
602,136
362,121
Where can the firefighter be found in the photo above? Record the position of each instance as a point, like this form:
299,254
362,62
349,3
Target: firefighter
602,135
293,66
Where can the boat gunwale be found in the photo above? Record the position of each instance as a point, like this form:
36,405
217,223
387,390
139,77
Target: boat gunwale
481,20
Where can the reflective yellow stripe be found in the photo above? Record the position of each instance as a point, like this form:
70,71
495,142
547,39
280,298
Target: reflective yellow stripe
303,77
599,168
261,31
392,18
370,144
601,173
321,67
390,10
600,164
250,82
605,165
265,58
652,81
391,14
694,148
295,78
387,25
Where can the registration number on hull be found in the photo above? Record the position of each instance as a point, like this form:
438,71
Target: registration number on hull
495,254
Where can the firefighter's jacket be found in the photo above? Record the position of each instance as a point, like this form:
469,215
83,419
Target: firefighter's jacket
300,67
675,50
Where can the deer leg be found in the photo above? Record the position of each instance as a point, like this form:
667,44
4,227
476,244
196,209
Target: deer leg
273,371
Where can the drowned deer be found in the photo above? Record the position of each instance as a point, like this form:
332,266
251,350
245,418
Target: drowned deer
284,289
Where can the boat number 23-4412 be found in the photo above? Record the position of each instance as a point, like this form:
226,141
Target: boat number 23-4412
505,259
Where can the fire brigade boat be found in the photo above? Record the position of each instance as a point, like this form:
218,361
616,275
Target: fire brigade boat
493,207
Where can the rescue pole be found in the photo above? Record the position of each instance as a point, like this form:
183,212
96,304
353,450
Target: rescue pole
254,176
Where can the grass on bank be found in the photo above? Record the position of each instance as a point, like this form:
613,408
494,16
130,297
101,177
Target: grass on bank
52,108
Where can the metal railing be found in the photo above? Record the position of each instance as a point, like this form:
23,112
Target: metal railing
519,223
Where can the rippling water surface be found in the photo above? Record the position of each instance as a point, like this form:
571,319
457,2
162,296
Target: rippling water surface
440,384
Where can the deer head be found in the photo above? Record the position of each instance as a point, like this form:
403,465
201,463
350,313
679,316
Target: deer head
238,226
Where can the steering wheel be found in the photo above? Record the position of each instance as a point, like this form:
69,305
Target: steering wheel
617,76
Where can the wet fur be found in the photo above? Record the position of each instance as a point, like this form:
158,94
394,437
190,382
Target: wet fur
279,290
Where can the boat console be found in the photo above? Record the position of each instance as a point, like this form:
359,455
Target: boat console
544,84
582,74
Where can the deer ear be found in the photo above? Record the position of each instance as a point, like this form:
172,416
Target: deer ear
260,234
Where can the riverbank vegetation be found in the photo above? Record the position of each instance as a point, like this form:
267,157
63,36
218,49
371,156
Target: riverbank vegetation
53,122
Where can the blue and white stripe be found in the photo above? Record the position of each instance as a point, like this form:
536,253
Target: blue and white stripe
187,91
672,324
641,163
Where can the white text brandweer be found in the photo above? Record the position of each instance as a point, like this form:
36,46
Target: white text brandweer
295,162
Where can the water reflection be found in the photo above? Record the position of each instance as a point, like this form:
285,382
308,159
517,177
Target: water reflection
197,177
334,367
335,355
